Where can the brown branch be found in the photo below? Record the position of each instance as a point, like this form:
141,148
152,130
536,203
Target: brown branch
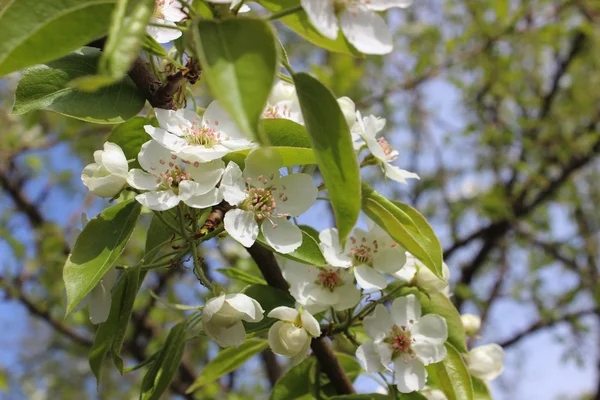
272,367
265,260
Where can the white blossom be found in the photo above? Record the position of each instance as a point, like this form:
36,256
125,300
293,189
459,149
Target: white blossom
433,394
198,139
319,289
471,322
223,315
358,19
166,12
107,175
416,273
265,200
283,103
486,362
405,338
291,336
169,179
370,253
349,110
367,129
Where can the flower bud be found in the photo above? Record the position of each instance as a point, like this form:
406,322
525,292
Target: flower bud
486,362
471,322
291,336
282,91
348,109
223,315
108,174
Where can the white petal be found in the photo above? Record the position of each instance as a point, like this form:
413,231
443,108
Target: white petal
302,353
173,12
202,154
348,109
385,353
162,35
429,353
397,174
297,194
375,148
366,30
99,303
211,307
241,226
410,374
332,251
114,159
154,158
369,358
382,5
166,139
322,16
217,118
274,338
262,167
282,92
310,324
232,184
206,174
283,313
406,309
230,337
378,323
106,186
158,201
142,180
205,200
349,296
282,235
369,278
486,362
389,259
246,305
471,322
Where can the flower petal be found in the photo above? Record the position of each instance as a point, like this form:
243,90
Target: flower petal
154,158
283,313
301,354
241,226
486,362
369,358
282,235
369,278
106,186
275,339
229,337
246,305
382,5
217,118
406,309
389,259
232,184
366,30
262,167
297,194
142,180
349,296
378,323
322,16
310,324
162,35
114,159
206,174
211,198
165,138
410,374
332,251
158,201
397,174
211,307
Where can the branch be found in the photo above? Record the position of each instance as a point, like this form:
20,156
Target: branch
265,260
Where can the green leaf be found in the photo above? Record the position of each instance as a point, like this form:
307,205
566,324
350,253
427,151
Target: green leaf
410,396
332,143
153,47
127,31
163,369
452,376
130,135
239,62
97,249
296,382
401,228
291,156
286,133
158,233
299,23
228,360
111,333
269,298
38,31
242,276
308,252
370,396
480,390
46,87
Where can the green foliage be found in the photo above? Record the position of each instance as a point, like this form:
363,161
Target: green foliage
242,276
56,28
308,252
46,87
451,376
228,360
332,143
130,136
97,249
285,133
290,156
295,383
239,61
480,389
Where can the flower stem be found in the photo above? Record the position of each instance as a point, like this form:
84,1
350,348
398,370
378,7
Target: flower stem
284,13
198,270
169,225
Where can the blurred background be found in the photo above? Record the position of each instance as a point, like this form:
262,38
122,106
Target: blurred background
494,103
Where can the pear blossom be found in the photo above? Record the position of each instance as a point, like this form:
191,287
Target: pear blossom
198,139
223,315
405,338
416,273
471,323
371,253
433,394
283,103
169,179
358,20
166,12
318,289
107,175
349,110
265,200
291,336
486,362
383,153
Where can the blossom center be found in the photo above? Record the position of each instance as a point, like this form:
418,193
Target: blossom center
261,201
159,6
277,111
329,279
173,175
362,251
387,148
401,340
202,135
